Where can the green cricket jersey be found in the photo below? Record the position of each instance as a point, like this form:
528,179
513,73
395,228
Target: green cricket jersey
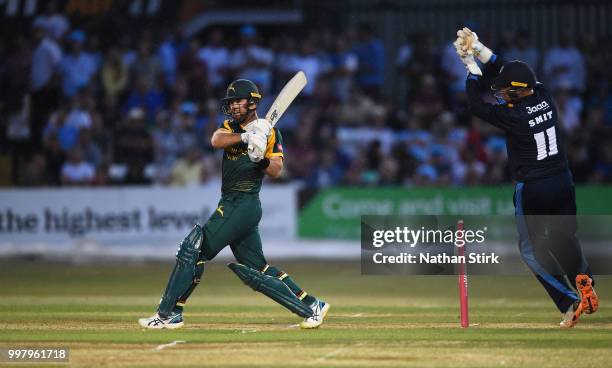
238,172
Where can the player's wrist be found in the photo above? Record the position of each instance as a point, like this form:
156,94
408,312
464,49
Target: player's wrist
484,53
263,163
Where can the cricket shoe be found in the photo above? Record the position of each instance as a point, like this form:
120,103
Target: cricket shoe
319,309
590,301
174,320
571,316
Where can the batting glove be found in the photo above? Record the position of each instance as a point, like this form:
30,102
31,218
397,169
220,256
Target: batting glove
261,126
257,147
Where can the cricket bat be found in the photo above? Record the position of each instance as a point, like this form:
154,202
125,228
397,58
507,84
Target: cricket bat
286,96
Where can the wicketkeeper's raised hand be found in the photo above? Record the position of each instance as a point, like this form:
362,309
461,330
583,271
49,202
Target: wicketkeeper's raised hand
471,65
467,43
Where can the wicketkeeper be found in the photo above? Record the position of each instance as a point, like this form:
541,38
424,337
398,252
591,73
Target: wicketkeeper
544,196
252,149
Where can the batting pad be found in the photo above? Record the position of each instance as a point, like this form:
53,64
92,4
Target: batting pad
271,287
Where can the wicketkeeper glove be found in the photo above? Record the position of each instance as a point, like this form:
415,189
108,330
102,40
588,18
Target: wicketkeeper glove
470,65
470,44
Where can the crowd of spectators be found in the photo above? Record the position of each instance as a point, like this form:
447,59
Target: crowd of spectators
80,110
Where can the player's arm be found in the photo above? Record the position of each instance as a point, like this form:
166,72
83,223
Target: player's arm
275,167
222,138
468,46
273,159
493,66
492,114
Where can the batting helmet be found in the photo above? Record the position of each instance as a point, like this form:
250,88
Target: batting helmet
237,90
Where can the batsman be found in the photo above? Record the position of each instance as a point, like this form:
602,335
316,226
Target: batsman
252,149
544,196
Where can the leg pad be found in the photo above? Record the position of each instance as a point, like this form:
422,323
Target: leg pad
271,287
184,270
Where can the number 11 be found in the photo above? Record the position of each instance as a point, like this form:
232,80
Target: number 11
541,143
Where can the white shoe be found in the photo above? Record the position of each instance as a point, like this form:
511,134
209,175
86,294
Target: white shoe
175,320
320,309
571,316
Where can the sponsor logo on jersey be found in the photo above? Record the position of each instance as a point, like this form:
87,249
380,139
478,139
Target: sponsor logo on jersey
541,106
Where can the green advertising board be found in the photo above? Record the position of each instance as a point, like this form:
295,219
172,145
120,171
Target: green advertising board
335,213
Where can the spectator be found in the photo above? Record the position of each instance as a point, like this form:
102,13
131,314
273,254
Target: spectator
144,96
90,149
564,65
468,170
166,147
184,124
57,127
35,173
43,87
57,23
303,168
146,67
167,56
414,62
15,73
115,75
579,160
370,54
521,49
189,170
194,74
68,121
406,163
453,69
310,64
78,67
252,60
568,108
427,103
328,170
426,175
76,171
388,173
134,147
55,159
343,66
286,53
497,167
215,56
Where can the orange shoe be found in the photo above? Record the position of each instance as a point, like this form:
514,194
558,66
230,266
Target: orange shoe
590,301
571,316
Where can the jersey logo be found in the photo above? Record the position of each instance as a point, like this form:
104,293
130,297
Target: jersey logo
541,106
220,210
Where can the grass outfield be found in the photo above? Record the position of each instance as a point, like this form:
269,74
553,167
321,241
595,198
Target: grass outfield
375,321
